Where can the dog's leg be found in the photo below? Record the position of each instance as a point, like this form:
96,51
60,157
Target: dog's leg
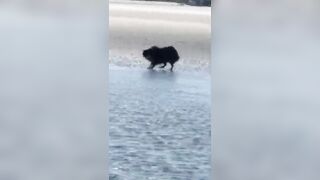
172,64
151,66
164,65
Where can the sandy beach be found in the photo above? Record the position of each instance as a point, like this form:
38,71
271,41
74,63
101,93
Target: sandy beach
135,26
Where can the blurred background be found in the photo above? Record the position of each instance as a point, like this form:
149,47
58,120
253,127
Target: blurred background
188,2
53,95
266,90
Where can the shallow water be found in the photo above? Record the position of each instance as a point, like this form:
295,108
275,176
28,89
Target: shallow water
159,124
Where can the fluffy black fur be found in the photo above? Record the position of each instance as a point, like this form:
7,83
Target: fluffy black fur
163,56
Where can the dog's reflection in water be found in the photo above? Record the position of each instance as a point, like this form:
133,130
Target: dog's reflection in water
153,75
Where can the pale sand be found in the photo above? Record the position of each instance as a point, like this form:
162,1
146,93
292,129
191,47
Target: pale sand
135,26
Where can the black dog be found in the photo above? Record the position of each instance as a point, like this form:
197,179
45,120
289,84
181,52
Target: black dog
163,56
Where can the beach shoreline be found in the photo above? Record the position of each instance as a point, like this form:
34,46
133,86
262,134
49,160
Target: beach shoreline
135,26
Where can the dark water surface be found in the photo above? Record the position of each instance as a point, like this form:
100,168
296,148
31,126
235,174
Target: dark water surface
159,124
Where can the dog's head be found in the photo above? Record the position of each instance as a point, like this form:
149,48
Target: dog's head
150,53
